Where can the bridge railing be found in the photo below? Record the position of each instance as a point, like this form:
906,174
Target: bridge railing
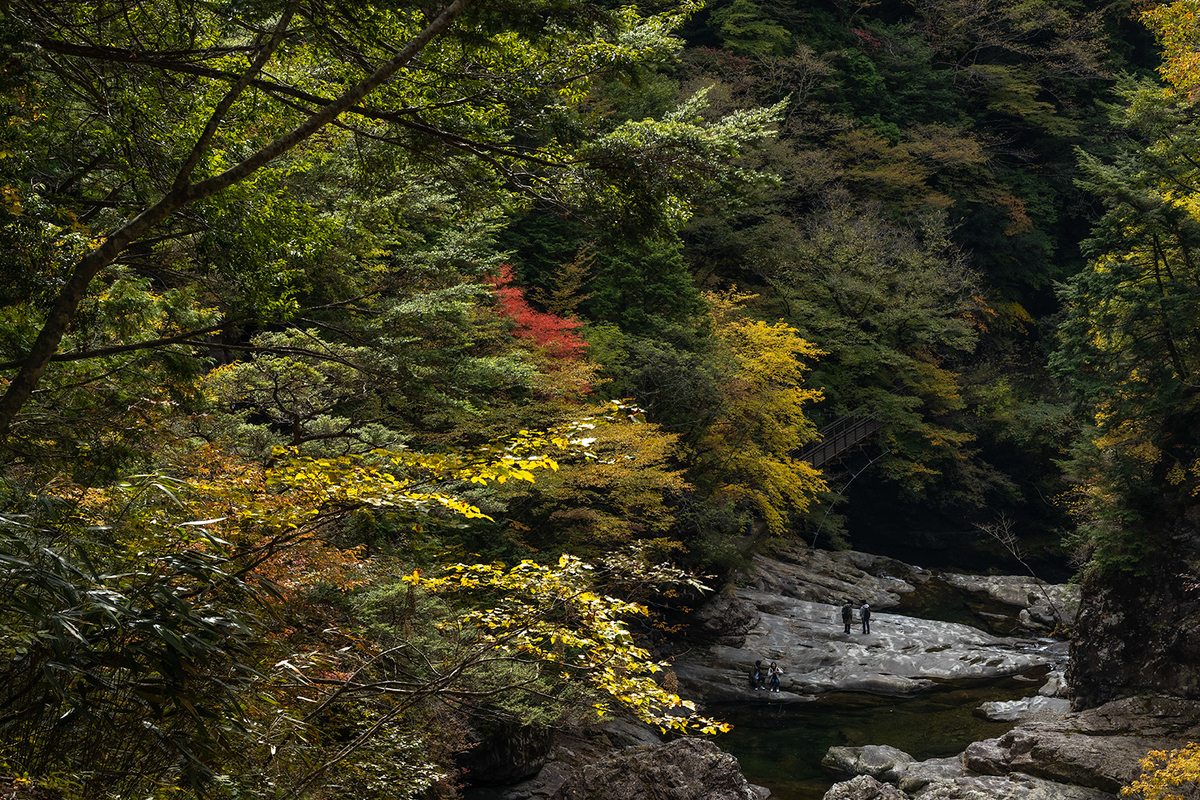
838,438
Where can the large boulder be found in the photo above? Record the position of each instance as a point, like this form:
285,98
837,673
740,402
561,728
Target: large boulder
877,760
833,577
941,779
1025,708
686,769
725,619
917,775
1037,606
1100,748
501,753
1086,755
1008,787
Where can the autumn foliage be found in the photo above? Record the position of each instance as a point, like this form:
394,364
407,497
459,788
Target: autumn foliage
1176,25
554,335
1167,775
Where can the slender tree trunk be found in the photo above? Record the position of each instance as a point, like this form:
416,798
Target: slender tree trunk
1160,258
58,321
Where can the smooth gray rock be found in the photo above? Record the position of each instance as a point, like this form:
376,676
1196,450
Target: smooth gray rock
621,732
1008,787
947,779
1055,685
831,577
919,774
864,787
880,761
901,656
1086,755
894,766
1025,708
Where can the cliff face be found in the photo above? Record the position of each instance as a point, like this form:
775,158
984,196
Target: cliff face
1140,633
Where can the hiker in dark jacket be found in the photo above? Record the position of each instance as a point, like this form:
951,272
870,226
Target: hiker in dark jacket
847,615
758,677
865,612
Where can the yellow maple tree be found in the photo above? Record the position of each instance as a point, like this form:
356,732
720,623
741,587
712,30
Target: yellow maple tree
1167,775
750,450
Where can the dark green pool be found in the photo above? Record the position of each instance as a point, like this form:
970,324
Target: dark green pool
781,747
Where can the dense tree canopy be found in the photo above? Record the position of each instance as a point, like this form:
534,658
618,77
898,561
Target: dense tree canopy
364,364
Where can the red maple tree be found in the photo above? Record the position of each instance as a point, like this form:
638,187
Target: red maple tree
553,334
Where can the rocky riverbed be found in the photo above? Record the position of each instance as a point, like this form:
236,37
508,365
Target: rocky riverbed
901,655
790,613
1053,755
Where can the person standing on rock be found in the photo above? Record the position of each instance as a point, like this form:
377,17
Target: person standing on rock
847,615
865,613
758,677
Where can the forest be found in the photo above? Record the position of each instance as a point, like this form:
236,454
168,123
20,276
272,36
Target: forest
374,371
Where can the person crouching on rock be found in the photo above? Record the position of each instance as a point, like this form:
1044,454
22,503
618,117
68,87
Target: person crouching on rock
847,615
773,673
865,612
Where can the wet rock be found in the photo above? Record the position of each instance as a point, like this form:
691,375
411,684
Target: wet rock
947,779
864,787
1018,710
1086,755
877,760
901,656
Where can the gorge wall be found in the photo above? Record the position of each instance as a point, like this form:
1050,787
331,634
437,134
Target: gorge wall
1139,632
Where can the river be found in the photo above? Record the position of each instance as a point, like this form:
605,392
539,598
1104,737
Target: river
781,747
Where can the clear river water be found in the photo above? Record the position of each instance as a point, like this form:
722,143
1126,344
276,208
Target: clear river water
781,746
